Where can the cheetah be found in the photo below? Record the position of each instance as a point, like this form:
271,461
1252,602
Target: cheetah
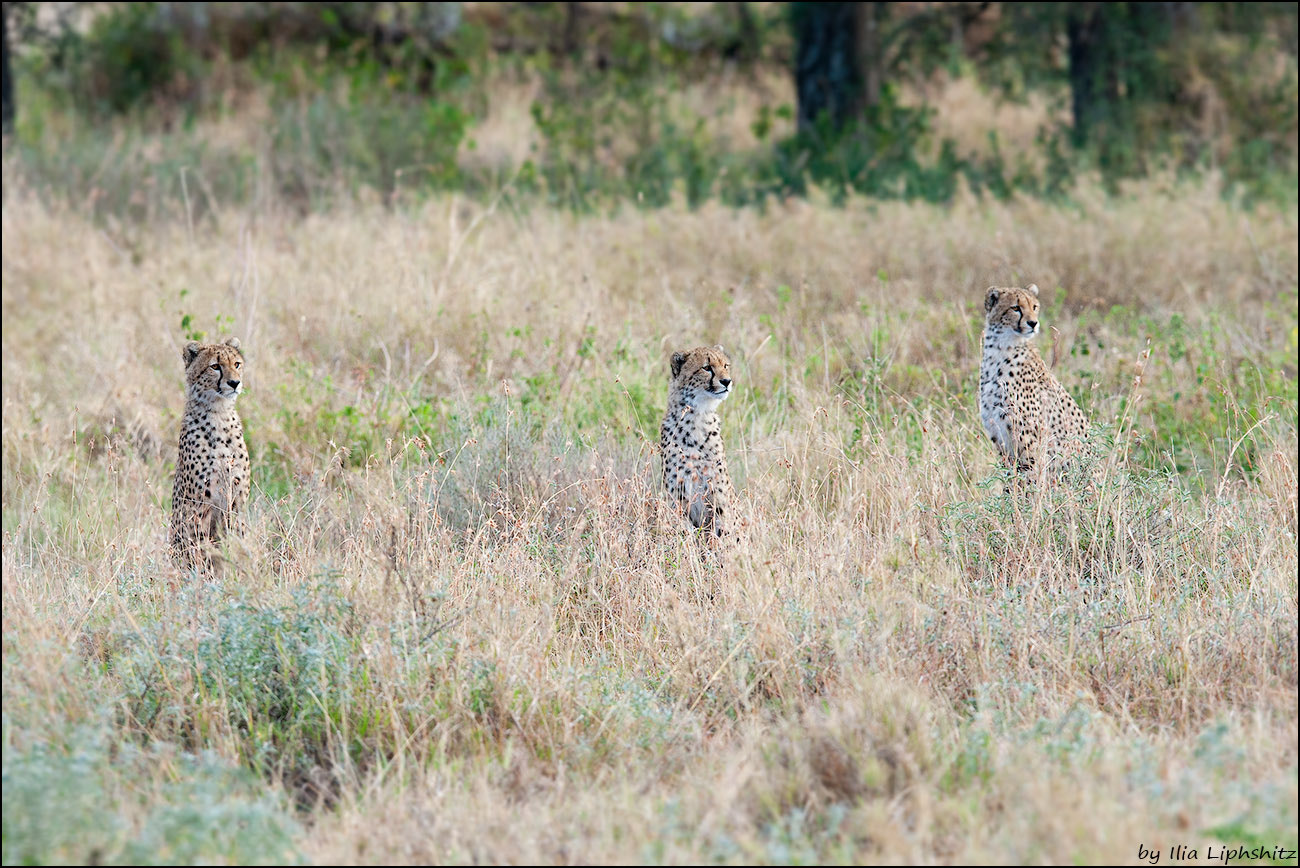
212,469
1026,412
695,465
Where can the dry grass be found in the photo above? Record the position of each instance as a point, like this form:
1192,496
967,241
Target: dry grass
461,629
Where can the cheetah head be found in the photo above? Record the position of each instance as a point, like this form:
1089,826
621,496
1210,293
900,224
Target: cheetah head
702,376
215,368
1012,312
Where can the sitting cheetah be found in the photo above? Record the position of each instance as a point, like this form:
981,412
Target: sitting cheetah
1026,413
695,466
211,485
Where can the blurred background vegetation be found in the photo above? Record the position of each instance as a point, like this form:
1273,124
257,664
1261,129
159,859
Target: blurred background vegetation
139,108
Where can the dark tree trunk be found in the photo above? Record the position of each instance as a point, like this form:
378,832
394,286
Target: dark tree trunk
747,43
572,11
830,67
1092,85
7,81
1114,61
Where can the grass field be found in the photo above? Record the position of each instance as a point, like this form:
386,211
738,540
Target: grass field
461,628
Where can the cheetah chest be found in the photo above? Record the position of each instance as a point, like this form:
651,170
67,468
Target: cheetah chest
217,465
694,465
993,413
999,376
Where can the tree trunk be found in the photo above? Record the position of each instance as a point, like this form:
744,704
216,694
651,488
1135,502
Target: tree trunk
1092,84
870,54
830,68
747,43
571,33
7,79
1115,61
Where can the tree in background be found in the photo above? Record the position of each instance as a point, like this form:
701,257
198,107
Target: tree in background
1118,63
837,61
1146,80
1145,85
7,79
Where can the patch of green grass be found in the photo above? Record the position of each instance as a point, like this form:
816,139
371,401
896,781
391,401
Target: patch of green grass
291,681
85,796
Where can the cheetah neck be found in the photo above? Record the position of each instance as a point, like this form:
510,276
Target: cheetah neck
1006,344
204,403
699,413
1001,340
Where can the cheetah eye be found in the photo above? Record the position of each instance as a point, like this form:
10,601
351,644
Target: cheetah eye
1016,309
216,367
709,368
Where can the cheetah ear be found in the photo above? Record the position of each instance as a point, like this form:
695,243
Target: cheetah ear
190,352
1033,287
679,359
233,343
719,348
991,298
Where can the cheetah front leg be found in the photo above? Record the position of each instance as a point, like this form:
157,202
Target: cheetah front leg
717,523
1025,442
700,510
192,536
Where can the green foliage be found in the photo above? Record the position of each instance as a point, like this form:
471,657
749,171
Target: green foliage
132,56
377,134
292,681
82,797
608,134
381,98
377,120
1103,519
279,673
1270,846
1189,85
1200,393
121,176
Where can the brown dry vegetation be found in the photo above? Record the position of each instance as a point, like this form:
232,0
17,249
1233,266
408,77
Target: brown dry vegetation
461,628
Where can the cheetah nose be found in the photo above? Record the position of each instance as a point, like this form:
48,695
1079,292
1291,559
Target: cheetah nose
726,382
234,384
1032,323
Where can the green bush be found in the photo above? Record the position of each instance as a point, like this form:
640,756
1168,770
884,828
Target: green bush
283,678
1104,518
85,798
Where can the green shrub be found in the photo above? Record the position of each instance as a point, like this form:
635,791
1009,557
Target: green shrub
87,798
1102,519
